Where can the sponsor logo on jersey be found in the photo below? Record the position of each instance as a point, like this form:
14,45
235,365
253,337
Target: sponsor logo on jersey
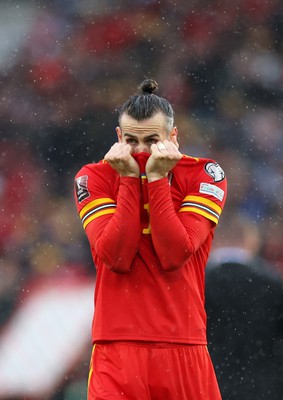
215,171
213,190
81,188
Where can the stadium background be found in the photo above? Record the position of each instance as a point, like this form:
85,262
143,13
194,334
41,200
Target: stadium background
65,65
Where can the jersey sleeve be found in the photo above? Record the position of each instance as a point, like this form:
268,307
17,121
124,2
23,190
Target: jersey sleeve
178,234
207,194
111,221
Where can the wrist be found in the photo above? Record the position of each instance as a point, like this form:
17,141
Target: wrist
155,177
129,175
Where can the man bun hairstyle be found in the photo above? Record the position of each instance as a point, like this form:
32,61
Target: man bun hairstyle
145,104
147,87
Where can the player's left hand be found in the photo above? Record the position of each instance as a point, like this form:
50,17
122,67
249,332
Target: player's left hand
164,156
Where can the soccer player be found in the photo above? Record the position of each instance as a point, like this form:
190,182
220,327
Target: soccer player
149,213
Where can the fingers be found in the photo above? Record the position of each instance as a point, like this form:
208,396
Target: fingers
167,149
119,157
171,147
174,140
118,151
161,146
164,156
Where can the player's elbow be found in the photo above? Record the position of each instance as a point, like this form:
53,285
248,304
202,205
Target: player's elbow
118,265
119,269
175,263
121,264
170,267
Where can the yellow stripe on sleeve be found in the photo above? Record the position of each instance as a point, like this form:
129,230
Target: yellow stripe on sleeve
206,202
98,214
201,212
95,203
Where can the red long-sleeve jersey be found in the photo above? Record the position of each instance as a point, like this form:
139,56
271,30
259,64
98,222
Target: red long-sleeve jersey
150,243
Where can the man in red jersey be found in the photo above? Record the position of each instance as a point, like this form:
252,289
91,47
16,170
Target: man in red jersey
149,213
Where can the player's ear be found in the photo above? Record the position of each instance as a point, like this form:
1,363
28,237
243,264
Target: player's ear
173,136
119,134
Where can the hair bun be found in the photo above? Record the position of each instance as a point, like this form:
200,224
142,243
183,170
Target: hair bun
148,86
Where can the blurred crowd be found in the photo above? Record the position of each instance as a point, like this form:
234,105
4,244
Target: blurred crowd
65,67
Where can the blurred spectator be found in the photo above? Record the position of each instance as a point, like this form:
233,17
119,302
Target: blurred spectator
271,249
244,301
20,181
11,280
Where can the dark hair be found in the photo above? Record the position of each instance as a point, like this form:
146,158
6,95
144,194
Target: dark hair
145,104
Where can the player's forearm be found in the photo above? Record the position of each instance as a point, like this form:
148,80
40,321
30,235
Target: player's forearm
173,242
115,239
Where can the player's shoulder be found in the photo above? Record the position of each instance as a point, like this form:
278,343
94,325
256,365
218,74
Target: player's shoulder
203,165
90,177
90,169
205,182
197,161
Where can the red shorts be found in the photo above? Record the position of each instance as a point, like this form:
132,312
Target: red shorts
134,371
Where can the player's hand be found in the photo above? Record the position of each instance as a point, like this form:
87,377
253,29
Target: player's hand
120,158
164,156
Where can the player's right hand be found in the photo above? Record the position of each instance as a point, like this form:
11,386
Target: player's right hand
120,158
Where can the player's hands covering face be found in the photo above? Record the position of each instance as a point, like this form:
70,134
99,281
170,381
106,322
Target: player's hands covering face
164,156
120,158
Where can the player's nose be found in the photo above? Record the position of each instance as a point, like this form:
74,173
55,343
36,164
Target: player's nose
142,148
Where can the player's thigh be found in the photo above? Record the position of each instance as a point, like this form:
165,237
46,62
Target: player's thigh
118,372
183,373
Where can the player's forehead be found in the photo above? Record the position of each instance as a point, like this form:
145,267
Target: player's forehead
151,125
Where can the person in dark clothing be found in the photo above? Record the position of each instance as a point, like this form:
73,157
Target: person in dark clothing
244,304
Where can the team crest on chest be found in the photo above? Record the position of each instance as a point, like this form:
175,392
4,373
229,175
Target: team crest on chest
215,171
